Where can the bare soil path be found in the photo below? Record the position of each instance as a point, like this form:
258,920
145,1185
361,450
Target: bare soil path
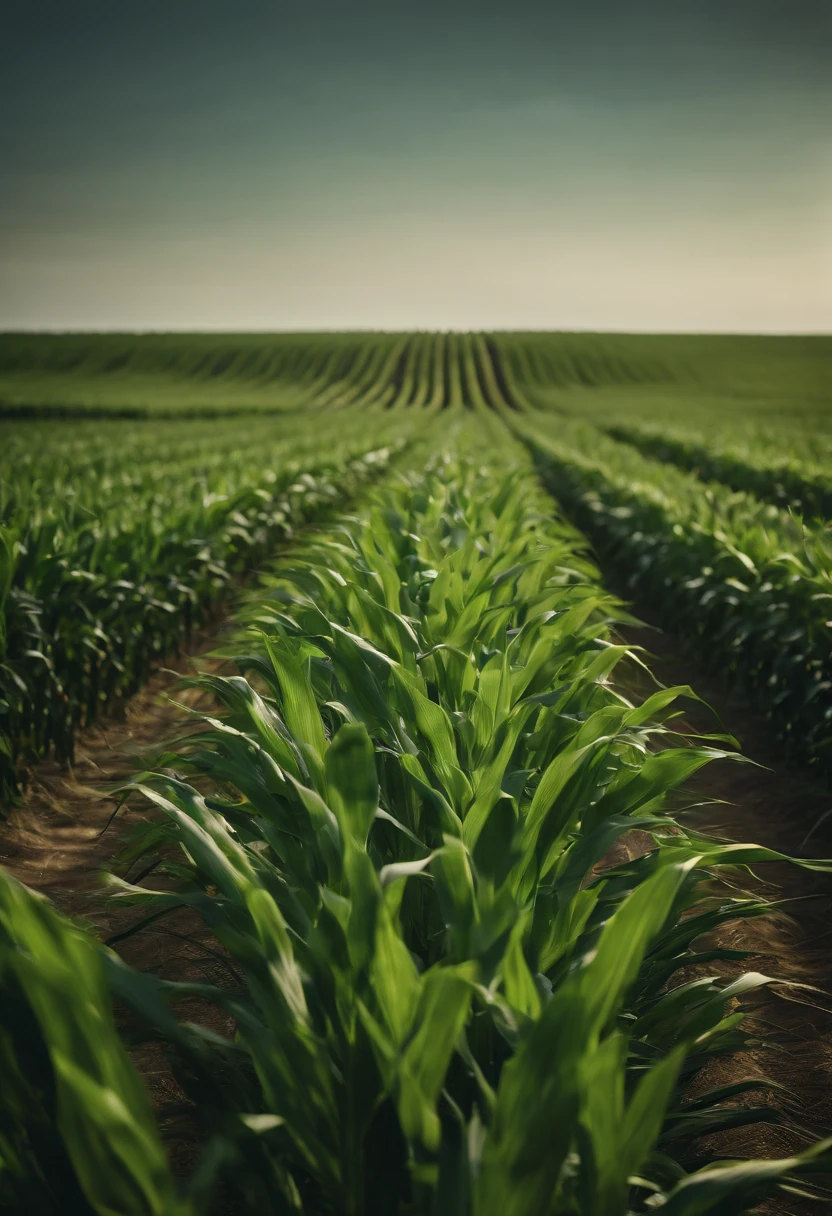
61,836
784,810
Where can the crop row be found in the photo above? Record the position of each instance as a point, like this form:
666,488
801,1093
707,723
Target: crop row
433,371
802,485
120,532
750,583
720,385
112,552
136,375
162,375
117,534
455,989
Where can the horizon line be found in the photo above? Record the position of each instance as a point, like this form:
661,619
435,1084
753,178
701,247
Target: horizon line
221,332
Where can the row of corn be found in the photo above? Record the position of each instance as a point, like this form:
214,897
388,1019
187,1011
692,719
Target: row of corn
163,377
116,535
457,983
794,481
115,544
750,583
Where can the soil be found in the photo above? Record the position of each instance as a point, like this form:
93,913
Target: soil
63,836
769,804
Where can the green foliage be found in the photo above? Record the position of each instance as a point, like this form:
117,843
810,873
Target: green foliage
108,572
401,824
751,583
181,375
76,1129
713,383
199,376
761,468
397,831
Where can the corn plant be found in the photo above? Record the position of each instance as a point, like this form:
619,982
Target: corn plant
792,481
750,583
399,830
106,579
76,1129
459,985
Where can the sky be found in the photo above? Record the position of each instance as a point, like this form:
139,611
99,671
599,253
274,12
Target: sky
345,164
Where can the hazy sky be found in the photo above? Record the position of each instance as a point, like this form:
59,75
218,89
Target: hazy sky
296,164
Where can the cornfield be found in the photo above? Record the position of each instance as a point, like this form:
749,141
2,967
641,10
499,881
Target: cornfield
465,930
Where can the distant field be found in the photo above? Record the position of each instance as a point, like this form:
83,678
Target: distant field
132,376
611,378
714,381
171,373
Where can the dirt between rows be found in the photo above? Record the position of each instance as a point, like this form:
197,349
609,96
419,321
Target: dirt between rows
61,838
770,804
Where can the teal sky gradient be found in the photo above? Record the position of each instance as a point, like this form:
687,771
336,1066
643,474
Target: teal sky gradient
269,165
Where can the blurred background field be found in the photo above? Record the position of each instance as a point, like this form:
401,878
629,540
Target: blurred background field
715,382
